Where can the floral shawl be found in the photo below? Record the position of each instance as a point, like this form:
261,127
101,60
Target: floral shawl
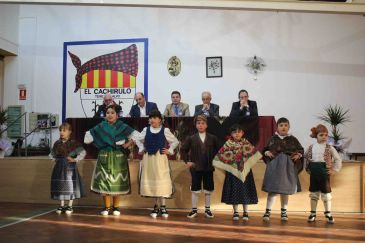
237,158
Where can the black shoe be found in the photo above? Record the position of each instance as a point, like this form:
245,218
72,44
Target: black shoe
155,212
235,216
266,216
116,211
60,210
329,217
193,214
164,212
69,210
209,214
245,216
284,216
105,211
312,216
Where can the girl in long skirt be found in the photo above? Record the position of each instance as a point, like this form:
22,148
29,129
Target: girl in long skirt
155,173
111,173
66,182
237,157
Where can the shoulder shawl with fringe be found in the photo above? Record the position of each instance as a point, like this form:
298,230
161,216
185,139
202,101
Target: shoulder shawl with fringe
106,135
237,158
70,148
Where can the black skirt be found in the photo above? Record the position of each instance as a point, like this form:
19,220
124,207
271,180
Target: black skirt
237,192
66,182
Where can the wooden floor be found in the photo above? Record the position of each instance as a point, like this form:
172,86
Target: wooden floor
39,223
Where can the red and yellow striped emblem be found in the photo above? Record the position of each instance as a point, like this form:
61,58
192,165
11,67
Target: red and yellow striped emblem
107,79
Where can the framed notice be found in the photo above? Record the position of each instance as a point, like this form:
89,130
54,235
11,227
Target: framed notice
15,121
214,67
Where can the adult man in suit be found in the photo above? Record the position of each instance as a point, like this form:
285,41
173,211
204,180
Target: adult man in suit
107,101
143,108
176,108
244,107
207,108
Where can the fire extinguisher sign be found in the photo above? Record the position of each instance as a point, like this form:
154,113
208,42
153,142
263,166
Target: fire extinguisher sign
22,94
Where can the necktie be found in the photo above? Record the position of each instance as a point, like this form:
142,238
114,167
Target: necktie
247,111
176,110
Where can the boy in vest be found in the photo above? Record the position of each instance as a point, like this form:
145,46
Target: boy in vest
322,161
198,152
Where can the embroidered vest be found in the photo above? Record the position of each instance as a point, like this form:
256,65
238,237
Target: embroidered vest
154,141
327,155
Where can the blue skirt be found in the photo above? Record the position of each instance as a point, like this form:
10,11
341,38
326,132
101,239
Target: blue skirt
237,192
66,182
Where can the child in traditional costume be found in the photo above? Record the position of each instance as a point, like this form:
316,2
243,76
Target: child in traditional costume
321,161
237,157
198,152
283,158
155,178
111,173
66,182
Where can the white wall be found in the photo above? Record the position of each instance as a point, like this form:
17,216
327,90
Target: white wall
312,59
9,15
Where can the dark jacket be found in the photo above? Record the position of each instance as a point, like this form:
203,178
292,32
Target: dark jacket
102,110
252,109
201,154
135,112
213,110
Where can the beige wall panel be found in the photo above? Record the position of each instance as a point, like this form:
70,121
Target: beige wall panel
28,180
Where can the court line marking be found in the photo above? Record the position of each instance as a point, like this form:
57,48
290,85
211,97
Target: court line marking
25,219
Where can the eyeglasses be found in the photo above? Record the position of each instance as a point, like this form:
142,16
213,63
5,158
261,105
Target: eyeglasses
108,99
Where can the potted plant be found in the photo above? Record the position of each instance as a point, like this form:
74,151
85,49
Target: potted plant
4,143
3,119
335,116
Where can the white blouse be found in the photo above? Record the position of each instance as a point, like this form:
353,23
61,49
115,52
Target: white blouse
89,138
202,136
171,139
318,155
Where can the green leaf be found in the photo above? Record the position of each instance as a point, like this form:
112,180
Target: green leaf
3,115
335,115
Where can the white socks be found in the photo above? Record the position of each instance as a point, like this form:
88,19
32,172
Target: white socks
284,199
207,200
270,200
194,200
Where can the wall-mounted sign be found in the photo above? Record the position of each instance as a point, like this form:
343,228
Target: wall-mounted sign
22,92
15,121
94,68
174,66
214,67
